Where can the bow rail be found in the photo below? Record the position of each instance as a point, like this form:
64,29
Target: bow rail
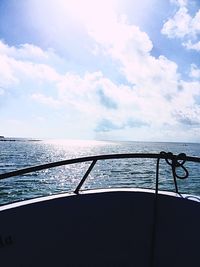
175,161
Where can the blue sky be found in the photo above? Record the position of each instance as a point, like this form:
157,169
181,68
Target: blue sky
109,69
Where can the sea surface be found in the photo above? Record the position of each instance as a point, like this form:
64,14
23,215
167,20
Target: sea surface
18,154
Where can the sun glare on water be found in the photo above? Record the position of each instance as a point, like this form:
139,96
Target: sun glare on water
77,143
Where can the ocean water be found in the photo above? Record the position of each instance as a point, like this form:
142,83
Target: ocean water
110,173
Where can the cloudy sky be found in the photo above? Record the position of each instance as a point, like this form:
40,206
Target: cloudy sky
100,69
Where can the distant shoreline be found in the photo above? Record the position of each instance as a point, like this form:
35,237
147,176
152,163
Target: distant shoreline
11,139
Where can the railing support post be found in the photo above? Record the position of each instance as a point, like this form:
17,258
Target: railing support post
76,191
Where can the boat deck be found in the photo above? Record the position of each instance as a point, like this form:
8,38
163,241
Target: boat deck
116,228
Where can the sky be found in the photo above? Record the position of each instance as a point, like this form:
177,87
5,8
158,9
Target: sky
100,69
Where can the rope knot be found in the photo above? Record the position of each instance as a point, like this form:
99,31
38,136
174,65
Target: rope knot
176,162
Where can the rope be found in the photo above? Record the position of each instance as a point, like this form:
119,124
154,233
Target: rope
176,162
155,220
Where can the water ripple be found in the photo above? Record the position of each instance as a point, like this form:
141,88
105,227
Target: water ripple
110,173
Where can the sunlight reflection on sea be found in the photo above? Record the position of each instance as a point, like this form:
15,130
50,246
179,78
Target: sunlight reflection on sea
110,173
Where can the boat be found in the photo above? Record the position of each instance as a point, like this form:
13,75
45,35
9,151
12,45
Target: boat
104,227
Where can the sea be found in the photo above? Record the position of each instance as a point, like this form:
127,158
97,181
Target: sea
140,173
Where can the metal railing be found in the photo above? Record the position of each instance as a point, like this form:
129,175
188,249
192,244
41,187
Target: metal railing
175,161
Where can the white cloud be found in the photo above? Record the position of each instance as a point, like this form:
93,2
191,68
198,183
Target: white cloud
23,52
156,88
154,103
25,66
7,76
2,91
154,80
179,25
195,72
84,94
186,108
185,26
180,2
192,46
46,100
131,48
